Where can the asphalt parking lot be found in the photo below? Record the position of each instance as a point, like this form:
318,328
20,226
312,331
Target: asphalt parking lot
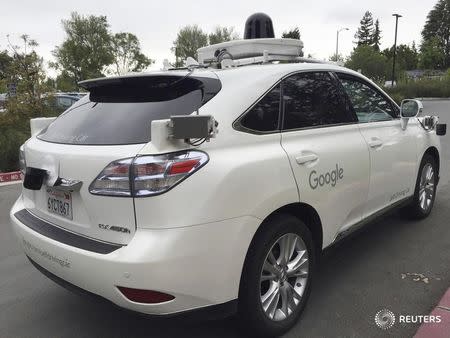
400,265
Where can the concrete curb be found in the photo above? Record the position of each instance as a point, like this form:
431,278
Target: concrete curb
438,330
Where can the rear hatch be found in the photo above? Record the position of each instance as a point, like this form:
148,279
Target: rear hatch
112,123
79,211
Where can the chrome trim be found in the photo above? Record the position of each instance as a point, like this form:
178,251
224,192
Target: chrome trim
68,184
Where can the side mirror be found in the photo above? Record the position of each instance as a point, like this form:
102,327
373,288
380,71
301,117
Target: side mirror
410,108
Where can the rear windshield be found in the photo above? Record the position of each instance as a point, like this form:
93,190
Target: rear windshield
101,120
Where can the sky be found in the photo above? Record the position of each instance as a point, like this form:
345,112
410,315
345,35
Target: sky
156,23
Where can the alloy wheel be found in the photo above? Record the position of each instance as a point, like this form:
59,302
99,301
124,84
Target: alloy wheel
284,277
426,187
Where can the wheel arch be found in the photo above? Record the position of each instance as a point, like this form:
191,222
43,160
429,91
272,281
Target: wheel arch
309,216
303,212
435,153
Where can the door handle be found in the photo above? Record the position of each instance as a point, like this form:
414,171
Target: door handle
375,143
302,159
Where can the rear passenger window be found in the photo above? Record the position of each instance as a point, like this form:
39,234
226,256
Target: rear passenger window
264,116
312,100
369,104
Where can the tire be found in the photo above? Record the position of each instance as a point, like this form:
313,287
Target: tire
280,231
423,199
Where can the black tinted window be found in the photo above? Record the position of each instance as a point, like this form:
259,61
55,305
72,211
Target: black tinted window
312,99
104,123
369,104
265,114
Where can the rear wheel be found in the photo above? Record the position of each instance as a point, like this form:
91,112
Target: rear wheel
277,276
425,191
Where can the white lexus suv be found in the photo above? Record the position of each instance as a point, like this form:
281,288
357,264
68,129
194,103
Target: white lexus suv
216,188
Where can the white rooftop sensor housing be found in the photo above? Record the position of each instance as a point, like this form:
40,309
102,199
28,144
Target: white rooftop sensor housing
258,41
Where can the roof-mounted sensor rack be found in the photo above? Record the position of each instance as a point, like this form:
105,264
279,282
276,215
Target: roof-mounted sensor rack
256,51
258,46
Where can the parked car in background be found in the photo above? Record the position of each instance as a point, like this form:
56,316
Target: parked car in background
76,94
62,101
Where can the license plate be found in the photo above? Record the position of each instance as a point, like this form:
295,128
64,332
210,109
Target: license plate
59,202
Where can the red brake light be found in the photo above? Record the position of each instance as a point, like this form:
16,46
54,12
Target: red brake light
119,169
145,296
183,167
149,169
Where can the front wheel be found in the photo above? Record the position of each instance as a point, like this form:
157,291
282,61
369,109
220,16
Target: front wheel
425,191
277,276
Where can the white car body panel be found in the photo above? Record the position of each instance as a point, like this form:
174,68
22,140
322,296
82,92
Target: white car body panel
228,180
341,205
393,163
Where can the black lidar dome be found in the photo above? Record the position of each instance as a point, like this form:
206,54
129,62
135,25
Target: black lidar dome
258,26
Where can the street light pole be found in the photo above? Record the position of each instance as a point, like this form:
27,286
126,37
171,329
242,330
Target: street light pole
395,47
337,41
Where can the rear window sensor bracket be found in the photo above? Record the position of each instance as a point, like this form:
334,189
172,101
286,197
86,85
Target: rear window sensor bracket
192,127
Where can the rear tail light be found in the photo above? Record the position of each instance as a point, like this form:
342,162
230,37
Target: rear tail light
145,296
147,175
114,179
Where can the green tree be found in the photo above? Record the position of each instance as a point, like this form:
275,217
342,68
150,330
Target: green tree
87,49
339,58
27,73
436,34
189,39
371,63
432,56
66,83
222,34
50,83
292,34
376,36
364,34
127,54
5,63
407,58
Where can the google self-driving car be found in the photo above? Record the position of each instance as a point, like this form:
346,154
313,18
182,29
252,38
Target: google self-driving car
218,185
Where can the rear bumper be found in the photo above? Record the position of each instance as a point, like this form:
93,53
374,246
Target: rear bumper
207,312
199,265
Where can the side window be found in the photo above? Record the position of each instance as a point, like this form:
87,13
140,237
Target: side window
65,102
312,100
369,104
265,114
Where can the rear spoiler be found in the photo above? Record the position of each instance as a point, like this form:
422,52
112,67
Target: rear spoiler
143,88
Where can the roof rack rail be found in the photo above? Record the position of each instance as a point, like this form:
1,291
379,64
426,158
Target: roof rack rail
266,58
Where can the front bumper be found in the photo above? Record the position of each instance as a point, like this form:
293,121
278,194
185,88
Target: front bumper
199,265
